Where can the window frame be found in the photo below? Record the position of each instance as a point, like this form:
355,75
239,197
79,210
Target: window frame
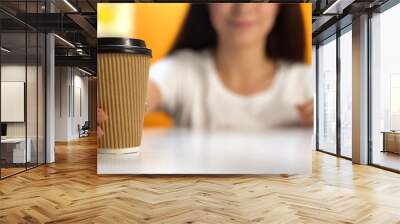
333,37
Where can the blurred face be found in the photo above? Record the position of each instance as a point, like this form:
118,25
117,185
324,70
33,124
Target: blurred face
241,24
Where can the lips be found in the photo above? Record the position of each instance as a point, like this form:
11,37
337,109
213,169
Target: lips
241,23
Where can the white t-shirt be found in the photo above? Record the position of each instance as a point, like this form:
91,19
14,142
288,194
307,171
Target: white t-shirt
192,92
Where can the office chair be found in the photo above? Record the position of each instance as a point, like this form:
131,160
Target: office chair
84,130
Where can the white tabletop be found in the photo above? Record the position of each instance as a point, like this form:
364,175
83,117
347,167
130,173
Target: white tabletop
179,151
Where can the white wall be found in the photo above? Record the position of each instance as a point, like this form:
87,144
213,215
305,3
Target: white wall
69,82
79,117
12,73
62,81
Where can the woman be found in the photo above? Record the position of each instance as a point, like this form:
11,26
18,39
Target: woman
236,66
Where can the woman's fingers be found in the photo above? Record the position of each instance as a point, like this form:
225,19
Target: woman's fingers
308,121
101,116
306,108
100,132
306,112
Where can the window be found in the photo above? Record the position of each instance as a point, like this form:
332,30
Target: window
385,89
327,95
346,92
394,101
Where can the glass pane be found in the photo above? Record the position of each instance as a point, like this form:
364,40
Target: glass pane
13,88
41,98
346,94
32,86
314,73
386,89
31,98
327,96
23,85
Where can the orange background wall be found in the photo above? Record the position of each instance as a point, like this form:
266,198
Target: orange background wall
158,24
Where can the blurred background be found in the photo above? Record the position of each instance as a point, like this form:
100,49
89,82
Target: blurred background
158,25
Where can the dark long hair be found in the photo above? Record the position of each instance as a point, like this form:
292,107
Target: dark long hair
285,41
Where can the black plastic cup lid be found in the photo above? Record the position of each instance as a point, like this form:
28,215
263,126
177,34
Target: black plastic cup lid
122,45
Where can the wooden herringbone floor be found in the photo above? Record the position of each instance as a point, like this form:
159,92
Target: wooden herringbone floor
70,191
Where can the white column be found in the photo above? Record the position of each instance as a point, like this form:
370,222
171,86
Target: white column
360,90
50,99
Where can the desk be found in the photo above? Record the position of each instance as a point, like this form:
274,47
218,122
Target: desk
180,151
13,150
391,141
